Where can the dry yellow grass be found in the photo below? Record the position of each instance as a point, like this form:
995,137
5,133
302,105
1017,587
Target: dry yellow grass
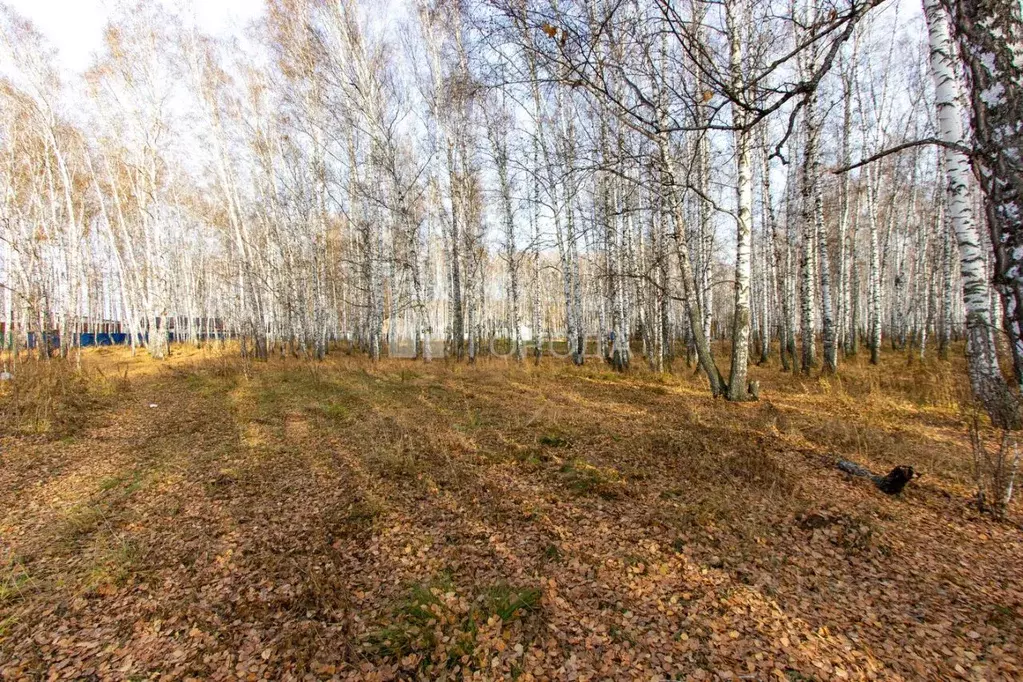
343,519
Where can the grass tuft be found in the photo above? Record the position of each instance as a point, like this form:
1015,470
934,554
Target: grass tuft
583,478
50,398
553,440
439,628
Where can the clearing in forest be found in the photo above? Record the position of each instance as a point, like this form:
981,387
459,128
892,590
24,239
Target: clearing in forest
210,518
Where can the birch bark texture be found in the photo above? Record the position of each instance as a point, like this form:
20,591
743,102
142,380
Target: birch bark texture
990,37
986,378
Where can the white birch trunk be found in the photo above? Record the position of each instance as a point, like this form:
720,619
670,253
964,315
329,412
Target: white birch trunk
737,385
982,362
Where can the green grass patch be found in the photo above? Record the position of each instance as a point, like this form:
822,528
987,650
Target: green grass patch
356,519
508,601
79,522
116,566
440,626
15,582
473,421
554,440
335,410
110,483
583,478
552,552
399,460
209,385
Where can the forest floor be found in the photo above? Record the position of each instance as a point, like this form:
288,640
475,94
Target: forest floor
209,518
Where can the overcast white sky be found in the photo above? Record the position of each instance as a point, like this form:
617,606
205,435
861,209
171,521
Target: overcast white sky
75,27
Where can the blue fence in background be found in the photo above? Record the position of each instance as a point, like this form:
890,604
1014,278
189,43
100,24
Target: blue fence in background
111,339
104,339
91,339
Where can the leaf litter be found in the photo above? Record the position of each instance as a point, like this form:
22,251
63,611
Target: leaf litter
347,521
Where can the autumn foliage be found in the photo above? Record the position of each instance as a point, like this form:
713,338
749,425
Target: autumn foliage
210,518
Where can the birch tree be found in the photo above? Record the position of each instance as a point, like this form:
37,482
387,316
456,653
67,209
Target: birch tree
982,361
990,37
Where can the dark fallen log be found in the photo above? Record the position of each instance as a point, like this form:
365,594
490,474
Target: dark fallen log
892,484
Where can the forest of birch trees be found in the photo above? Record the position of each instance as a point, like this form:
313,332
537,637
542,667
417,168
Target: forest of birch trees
621,181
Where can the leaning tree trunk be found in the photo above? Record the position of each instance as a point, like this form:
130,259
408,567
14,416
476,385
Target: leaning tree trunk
689,289
990,36
982,363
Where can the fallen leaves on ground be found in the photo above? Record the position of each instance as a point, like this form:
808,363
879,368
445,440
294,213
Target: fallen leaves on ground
341,520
